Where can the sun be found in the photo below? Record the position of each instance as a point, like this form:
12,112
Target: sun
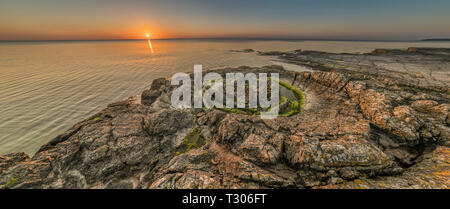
148,35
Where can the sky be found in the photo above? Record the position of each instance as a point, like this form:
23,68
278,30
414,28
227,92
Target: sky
285,19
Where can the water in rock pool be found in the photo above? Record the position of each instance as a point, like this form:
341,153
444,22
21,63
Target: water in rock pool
46,87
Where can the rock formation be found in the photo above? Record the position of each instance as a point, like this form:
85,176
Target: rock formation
377,120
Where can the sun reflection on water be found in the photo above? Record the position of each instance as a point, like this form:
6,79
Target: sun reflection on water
150,46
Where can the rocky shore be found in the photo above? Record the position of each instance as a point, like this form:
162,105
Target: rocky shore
375,120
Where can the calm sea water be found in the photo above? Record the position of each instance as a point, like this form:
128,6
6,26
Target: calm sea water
46,87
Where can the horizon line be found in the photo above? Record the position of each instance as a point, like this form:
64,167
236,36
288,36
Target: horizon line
232,38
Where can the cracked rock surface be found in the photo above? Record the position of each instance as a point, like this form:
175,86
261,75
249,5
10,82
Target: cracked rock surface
376,120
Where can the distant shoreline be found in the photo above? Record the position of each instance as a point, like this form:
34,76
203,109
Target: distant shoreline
436,39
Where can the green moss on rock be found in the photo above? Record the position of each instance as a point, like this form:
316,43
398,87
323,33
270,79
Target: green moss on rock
299,95
193,140
12,181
